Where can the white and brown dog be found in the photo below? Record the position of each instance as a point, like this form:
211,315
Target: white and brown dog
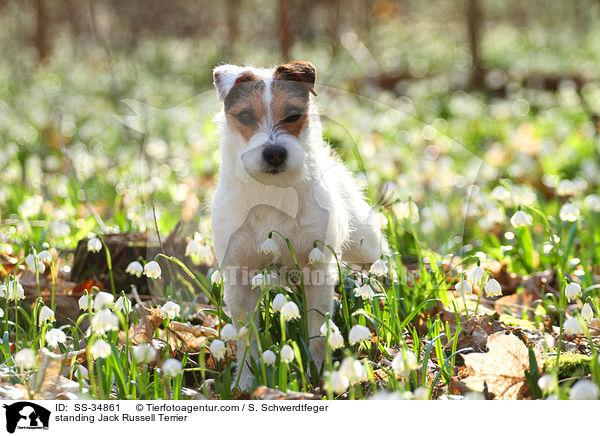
277,173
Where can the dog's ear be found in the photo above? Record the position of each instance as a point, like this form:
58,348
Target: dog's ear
299,71
225,77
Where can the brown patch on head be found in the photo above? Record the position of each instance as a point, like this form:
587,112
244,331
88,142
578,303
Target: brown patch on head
244,105
291,86
298,71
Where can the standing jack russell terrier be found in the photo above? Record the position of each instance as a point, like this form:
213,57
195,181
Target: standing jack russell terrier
277,174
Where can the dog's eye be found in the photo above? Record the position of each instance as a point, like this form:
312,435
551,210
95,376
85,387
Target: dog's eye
292,118
246,118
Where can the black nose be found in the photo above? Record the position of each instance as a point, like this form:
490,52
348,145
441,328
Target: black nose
275,155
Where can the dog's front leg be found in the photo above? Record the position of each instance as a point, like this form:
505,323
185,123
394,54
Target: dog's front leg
319,299
241,301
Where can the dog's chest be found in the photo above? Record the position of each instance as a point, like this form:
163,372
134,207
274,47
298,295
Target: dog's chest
244,219
309,224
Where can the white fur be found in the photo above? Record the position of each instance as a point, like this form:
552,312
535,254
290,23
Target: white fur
314,198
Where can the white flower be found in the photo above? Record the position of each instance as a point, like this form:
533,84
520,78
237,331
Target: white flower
135,269
463,287
82,372
172,367
476,275
286,354
336,340
15,291
1,313
358,333
100,348
242,332
352,369
46,315
33,262
521,219
377,219
258,281
152,269
592,202
104,321
264,280
332,328
316,256
84,301
404,362
584,390
365,292
170,310
406,210
421,393
25,358
94,245
569,188
500,193
587,312
268,246
218,349
197,249
546,383
493,288
205,253
278,302
379,268
193,248
290,311
123,304
572,291
569,212
3,290
573,326
102,300
144,353
228,332
269,357
216,278
45,256
338,382
55,336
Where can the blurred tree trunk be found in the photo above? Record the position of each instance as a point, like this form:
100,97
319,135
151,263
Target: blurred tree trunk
232,25
285,34
474,18
41,34
74,18
334,26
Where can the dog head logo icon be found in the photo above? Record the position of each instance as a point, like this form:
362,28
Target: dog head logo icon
24,414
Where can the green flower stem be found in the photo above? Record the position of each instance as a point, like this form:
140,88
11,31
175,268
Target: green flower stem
53,274
263,367
90,361
191,275
345,310
109,264
304,307
37,276
16,322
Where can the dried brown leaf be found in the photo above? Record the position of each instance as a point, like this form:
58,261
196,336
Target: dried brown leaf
502,368
143,332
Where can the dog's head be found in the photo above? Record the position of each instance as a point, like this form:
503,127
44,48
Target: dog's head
266,112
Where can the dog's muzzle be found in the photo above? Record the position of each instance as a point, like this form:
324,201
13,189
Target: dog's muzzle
275,157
